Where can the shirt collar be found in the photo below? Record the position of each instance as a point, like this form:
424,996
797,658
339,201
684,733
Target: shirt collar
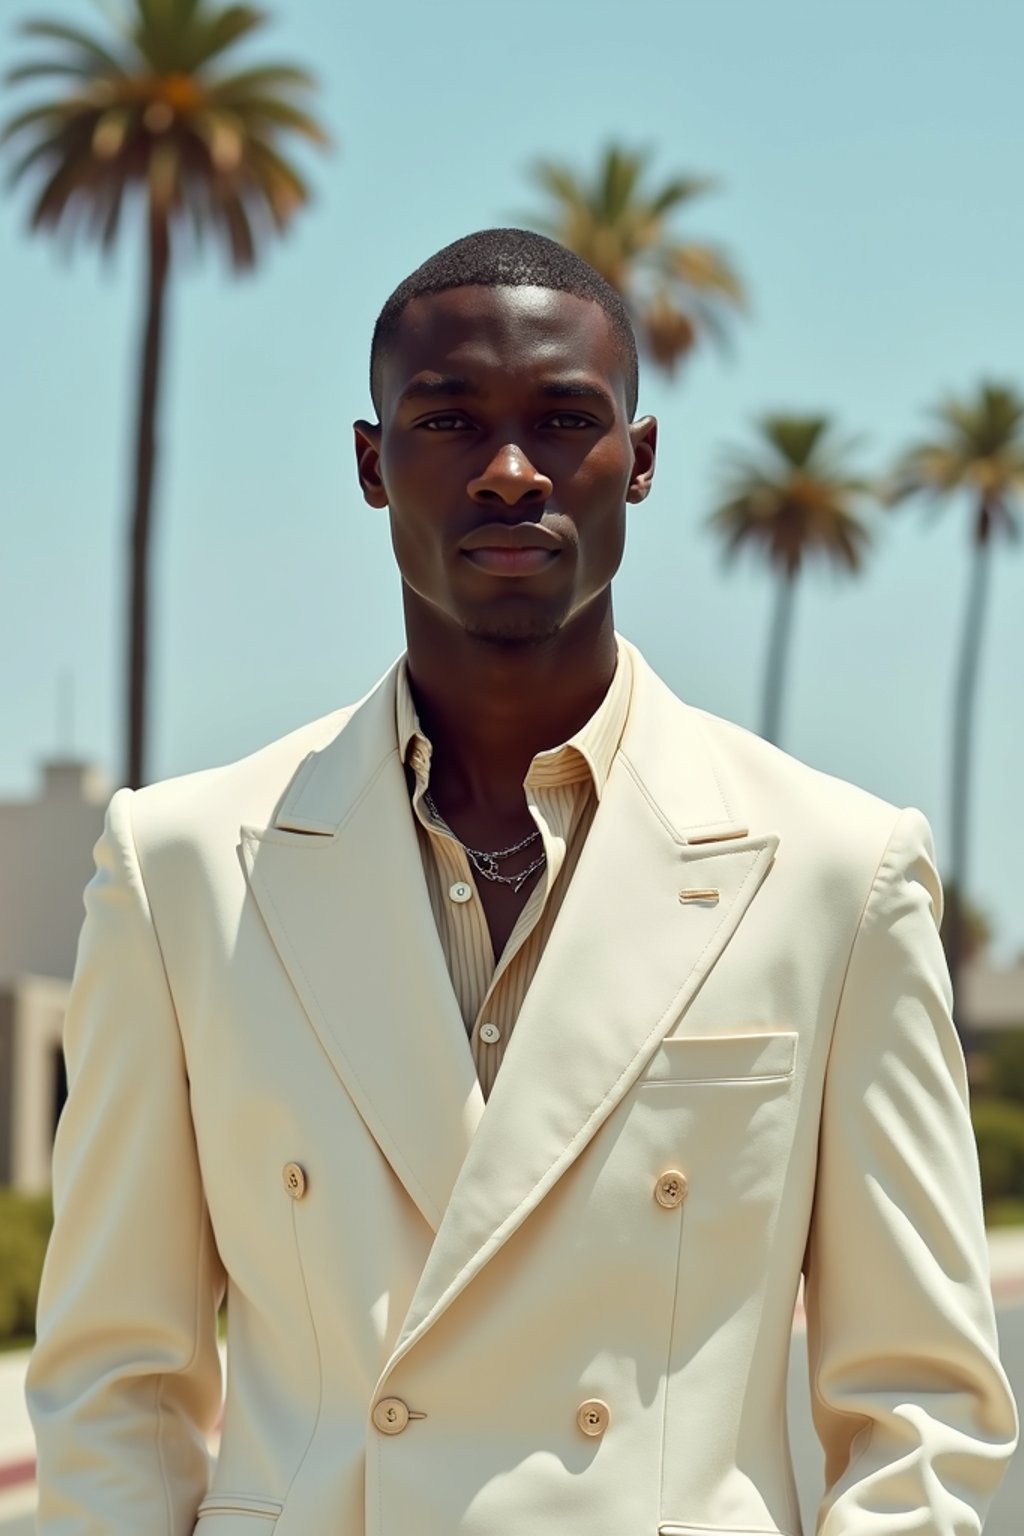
591,751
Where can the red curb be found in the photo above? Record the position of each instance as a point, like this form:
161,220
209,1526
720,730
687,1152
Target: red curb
1009,1289
15,1473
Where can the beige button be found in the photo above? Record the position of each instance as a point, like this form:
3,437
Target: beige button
490,1033
294,1180
460,891
670,1189
593,1416
390,1415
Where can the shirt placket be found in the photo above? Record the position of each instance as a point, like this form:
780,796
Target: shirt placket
458,890
553,840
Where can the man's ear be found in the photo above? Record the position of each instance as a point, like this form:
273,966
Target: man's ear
643,434
367,443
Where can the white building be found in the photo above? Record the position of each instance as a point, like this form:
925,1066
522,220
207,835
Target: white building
46,861
33,1084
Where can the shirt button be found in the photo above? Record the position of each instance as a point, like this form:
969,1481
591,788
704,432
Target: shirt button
490,1033
593,1416
294,1180
670,1189
460,891
390,1415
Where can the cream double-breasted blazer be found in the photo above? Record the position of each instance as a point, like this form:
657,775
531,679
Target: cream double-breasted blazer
566,1313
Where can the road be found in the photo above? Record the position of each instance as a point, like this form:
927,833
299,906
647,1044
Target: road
1006,1518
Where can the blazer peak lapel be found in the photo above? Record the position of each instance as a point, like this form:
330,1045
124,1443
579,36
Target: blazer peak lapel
339,882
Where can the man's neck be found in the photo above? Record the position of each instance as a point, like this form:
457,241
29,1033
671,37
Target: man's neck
489,709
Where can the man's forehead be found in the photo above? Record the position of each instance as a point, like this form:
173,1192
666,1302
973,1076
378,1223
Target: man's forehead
503,327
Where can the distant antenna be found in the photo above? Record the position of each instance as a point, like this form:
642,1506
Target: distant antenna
66,713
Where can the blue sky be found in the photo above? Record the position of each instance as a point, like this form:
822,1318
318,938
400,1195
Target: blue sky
868,158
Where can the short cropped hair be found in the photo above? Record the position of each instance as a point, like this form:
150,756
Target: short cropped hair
513,258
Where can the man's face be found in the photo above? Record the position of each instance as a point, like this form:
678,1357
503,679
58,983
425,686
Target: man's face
506,457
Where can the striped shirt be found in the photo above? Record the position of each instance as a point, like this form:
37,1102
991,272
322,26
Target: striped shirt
563,787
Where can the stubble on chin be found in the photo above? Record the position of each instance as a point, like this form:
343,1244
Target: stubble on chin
508,630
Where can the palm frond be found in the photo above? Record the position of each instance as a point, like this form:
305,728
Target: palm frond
707,269
43,69
560,182
620,175
56,112
283,187
255,110
74,37
682,189
223,31
237,228
267,77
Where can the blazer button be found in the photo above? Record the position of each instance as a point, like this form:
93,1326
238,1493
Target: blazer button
670,1189
294,1180
593,1416
390,1415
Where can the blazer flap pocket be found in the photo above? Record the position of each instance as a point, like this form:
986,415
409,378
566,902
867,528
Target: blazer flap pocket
670,1528
231,1514
723,1058
230,1522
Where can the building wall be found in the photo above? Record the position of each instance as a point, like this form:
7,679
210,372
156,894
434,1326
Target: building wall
993,999
32,1083
45,864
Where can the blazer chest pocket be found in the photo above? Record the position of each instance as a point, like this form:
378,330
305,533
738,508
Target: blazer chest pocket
708,1059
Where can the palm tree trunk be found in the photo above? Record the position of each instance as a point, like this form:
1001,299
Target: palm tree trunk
965,698
778,650
145,466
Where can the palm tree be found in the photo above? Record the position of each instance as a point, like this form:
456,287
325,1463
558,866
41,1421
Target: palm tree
791,501
147,118
979,450
675,290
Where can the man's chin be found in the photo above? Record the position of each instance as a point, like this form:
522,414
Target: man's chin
508,633
511,629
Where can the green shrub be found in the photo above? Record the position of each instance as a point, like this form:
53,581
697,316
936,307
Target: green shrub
25,1222
999,1132
1006,1065
1005,1213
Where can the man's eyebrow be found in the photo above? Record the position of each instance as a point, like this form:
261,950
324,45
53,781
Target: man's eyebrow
438,386
576,389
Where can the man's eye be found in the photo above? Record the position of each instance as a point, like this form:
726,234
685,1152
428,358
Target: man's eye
569,419
444,423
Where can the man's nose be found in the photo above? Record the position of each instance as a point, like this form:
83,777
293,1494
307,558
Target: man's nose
510,478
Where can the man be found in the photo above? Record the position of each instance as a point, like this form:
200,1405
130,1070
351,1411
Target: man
507,1046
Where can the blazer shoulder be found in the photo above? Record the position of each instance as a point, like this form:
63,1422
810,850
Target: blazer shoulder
210,803
839,826
759,785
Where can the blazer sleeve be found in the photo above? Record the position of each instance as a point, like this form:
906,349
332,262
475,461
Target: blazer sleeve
125,1381
908,1396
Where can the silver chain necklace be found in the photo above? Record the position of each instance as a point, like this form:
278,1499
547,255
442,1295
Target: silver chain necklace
486,864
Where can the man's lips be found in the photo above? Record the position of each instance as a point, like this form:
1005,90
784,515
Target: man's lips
511,536
511,562
511,549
